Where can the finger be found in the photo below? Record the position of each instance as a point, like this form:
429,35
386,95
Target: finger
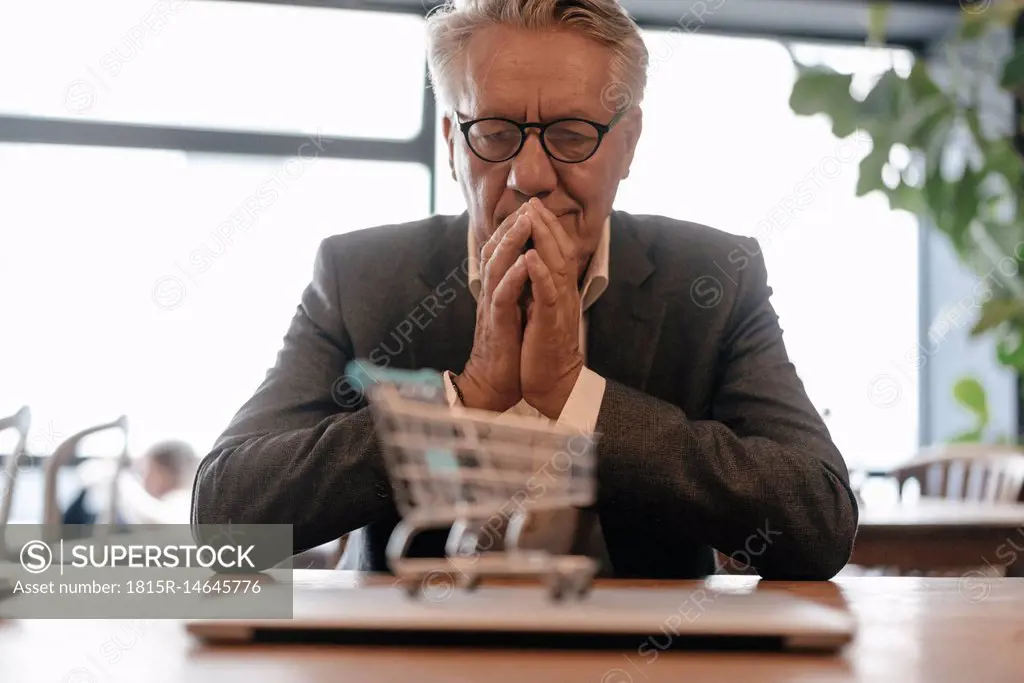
544,288
547,246
506,253
507,227
495,239
565,243
510,288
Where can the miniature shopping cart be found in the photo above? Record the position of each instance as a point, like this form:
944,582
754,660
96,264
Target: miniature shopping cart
468,469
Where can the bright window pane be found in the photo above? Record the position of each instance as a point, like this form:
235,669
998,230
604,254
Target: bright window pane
159,284
728,152
215,65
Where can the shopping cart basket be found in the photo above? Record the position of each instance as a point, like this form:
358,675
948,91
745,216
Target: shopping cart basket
471,470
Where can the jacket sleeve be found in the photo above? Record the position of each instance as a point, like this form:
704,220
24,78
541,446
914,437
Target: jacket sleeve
302,449
761,478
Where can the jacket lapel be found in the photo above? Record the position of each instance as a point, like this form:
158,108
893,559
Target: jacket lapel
446,342
625,323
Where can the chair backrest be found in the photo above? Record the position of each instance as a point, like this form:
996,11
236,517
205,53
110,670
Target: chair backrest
972,472
52,514
20,422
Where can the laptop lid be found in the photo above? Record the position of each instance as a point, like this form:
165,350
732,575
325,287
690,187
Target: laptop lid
502,615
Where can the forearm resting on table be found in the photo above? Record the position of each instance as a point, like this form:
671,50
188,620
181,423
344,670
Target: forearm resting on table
786,505
326,480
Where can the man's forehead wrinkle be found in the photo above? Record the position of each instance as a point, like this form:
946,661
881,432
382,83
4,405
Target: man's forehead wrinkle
557,92
480,70
489,68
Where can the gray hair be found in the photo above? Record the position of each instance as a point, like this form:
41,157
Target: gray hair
450,26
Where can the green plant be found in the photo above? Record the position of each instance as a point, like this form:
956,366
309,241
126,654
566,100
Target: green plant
969,393
915,122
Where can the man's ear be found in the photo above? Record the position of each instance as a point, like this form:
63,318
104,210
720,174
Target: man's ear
447,128
632,125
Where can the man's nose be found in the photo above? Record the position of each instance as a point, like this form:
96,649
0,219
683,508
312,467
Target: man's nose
532,172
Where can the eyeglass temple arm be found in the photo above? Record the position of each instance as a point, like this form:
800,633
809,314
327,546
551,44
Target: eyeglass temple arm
616,119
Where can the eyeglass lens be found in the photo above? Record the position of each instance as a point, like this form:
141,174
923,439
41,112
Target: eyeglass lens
566,140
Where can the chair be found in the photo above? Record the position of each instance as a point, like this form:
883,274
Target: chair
965,472
52,514
970,472
20,421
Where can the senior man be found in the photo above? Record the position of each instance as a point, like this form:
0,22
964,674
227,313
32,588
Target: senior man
545,301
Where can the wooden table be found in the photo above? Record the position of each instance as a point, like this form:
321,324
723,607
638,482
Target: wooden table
910,629
937,534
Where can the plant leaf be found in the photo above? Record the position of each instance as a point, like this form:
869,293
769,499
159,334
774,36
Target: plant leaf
1010,352
928,114
906,198
969,393
974,124
921,82
937,194
1002,158
965,205
882,103
871,166
930,118
995,312
938,142
1013,72
825,91
973,26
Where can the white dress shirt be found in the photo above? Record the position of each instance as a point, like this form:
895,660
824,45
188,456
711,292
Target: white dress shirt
555,530
135,504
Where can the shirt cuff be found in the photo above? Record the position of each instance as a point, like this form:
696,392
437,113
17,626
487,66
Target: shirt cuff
584,403
449,390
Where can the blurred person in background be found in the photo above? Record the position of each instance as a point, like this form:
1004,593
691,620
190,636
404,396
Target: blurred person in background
544,301
160,492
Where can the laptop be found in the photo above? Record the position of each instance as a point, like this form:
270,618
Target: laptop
637,619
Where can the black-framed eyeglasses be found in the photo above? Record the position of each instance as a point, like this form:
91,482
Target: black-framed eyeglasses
569,140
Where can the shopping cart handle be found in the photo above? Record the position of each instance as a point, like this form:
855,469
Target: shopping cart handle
364,374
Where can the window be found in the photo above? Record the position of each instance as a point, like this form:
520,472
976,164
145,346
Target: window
721,147
159,284
218,65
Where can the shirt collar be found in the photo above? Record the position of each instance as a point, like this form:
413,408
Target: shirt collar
594,282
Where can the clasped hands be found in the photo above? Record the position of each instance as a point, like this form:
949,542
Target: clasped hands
527,343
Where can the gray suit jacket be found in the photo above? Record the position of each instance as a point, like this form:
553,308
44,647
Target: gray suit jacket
708,439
